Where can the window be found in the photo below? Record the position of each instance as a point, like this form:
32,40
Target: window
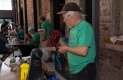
9,20
2,20
5,4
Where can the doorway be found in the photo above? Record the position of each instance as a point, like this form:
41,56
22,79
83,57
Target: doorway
58,19
88,10
21,17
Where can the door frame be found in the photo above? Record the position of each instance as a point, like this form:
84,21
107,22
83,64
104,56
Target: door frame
95,24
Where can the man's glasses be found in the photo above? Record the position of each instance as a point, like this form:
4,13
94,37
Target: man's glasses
66,17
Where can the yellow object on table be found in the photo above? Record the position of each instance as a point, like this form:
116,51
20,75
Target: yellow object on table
24,71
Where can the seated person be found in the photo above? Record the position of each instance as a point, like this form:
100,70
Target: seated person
31,42
21,32
13,33
5,25
3,40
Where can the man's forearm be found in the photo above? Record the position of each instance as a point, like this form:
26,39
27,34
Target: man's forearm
31,40
78,50
44,34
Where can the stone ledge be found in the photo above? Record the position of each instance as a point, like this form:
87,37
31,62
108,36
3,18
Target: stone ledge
107,40
114,47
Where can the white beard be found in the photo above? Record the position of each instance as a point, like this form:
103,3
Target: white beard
70,25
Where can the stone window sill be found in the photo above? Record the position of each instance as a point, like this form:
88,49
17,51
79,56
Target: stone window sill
107,40
118,46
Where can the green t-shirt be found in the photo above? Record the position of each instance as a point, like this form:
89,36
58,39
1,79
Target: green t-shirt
35,37
81,35
47,26
21,34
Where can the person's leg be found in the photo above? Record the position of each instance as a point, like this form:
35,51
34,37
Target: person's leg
87,73
49,52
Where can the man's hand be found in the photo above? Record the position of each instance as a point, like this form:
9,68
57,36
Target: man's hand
29,39
26,36
62,49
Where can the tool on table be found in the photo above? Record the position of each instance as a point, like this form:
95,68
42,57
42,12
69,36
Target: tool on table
36,72
35,68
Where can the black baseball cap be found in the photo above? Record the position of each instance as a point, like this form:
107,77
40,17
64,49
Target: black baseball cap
71,6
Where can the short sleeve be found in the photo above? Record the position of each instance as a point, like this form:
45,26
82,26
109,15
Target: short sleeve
43,25
86,35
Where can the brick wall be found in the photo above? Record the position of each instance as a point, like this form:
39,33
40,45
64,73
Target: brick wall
106,26
29,13
121,17
21,3
46,9
43,9
116,12
111,61
111,64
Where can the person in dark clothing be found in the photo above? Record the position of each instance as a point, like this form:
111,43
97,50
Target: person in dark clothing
3,40
4,24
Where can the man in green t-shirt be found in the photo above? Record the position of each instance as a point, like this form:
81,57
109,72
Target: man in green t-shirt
81,50
32,42
21,32
46,26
